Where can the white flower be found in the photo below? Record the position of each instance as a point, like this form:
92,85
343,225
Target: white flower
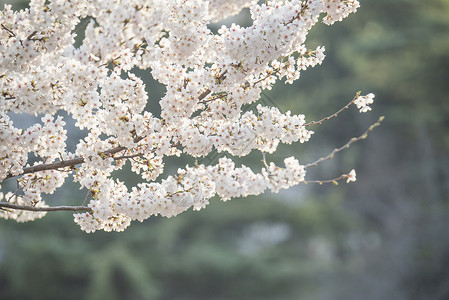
351,176
363,102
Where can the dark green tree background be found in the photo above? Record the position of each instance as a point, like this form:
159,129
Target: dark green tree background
383,237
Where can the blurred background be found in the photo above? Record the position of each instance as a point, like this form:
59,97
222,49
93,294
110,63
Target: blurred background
384,237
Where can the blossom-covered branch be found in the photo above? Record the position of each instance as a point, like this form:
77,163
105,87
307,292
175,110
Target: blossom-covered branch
7,205
211,79
66,163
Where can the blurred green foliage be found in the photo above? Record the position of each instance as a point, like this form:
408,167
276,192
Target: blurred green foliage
224,252
384,237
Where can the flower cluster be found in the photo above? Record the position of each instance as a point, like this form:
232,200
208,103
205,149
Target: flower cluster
363,102
31,198
220,9
114,208
211,79
46,140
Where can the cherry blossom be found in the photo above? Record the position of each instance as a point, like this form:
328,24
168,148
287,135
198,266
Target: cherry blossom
211,78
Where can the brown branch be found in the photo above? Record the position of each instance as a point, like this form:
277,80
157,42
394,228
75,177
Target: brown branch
68,163
112,60
347,145
208,91
44,167
128,156
54,208
204,94
61,164
304,7
267,76
222,95
30,37
12,34
334,114
333,181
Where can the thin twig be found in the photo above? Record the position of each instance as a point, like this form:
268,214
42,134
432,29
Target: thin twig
334,114
87,197
264,160
304,7
222,95
30,37
204,94
267,76
12,34
54,208
333,181
128,156
208,91
347,145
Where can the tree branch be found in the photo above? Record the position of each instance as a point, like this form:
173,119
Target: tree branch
333,181
61,164
11,33
68,163
80,160
208,91
54,208
52,166
334,114
347,145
